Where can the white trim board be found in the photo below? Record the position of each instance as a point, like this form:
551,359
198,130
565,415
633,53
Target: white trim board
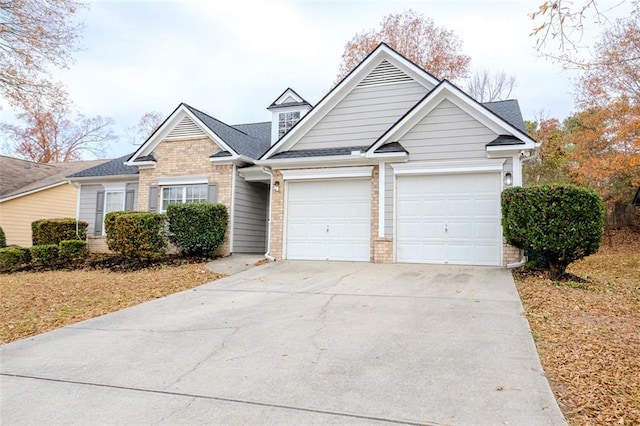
182,180
331,173
444,167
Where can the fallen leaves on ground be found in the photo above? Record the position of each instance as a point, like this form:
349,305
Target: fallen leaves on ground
34,302
588,333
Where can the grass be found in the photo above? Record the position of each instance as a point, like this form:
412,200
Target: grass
587,332
35,302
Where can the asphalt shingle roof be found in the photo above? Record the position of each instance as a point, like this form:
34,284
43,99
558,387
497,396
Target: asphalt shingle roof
320,152
509,111
391,147
115,167
18,176
503,140
240,141
260,131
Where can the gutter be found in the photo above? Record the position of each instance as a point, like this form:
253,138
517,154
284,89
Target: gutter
268,171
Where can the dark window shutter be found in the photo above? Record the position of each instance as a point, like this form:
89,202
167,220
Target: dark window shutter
128,200
99,213
153,198
213,193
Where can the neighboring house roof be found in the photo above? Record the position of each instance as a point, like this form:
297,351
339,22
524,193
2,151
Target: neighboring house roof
115,167
21,177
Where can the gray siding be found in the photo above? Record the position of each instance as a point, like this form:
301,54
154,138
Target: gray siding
362,116
250,217
88,196
134,187
447,133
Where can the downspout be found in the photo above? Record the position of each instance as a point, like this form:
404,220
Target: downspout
77,186
267,170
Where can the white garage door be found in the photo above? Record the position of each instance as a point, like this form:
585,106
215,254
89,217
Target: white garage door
449,219
329,220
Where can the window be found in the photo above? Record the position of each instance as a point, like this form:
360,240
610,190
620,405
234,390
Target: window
113,201
286,120
183,194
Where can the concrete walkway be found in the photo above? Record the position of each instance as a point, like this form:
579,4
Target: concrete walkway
294,343
234,264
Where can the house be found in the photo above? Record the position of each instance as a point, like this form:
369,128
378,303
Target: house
30,191
392,165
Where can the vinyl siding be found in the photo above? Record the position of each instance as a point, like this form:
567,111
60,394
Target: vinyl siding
16,215
88,197
447,133
362,116
250,217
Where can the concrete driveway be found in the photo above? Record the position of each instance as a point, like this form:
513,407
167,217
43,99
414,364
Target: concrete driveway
294,343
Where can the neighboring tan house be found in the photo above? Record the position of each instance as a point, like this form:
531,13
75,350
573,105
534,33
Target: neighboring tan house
392,165
30,191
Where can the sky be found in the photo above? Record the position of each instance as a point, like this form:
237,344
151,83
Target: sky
232,58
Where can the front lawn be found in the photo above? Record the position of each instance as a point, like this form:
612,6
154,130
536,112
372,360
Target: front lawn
34,302
588,333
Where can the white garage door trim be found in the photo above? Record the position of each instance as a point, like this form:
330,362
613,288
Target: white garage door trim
339,207
448,254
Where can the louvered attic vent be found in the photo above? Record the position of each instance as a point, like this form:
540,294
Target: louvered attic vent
384,73
186,128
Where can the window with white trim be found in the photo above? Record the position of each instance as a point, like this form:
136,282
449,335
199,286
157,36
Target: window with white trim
286,120
182,194
113,201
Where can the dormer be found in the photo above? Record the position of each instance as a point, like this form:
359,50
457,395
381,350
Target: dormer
286,111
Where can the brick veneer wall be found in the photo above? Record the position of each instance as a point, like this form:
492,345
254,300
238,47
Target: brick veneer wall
510,254
188,157
277,217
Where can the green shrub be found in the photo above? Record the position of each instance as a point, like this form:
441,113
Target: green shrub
44,254
13,257
52,231
562,223
136,235
197,228
73,250
3,238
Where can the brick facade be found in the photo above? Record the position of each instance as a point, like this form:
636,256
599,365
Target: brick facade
277,217
510,254
188,157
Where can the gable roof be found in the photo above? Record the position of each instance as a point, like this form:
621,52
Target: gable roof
508,110
482,113
345,86
243,140
21,177
115,167
288,93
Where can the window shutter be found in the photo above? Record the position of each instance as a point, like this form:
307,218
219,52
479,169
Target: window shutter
99,213
128,200
213,193
153,198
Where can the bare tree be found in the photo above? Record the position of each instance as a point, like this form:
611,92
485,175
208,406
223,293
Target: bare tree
147,124
487,87
52,130
434,48
34,35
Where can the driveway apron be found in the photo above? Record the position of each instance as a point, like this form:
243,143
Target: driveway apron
294,342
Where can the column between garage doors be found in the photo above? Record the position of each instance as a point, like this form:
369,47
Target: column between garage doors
327,214
448,212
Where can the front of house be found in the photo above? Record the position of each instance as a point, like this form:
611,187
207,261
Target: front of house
392,165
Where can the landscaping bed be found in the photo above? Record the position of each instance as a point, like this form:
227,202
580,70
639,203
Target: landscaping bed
33,302
587,331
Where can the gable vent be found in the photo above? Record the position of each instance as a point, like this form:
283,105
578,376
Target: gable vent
186,128
385,73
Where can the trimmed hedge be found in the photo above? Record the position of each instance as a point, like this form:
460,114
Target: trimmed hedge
52,231
3,238
73,250
197,228
562,223
44,254
136,235
13,257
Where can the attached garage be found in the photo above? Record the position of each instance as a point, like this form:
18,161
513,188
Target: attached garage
449,218
328,219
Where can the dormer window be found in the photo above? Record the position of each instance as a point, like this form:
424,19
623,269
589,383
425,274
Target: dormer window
286,120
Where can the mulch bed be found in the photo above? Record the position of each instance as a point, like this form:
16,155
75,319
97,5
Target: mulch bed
587,330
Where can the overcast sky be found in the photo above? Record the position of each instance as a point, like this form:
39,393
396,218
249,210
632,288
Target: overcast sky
232,58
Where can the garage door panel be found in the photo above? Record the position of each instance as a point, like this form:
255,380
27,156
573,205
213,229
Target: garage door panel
329,220
448,218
